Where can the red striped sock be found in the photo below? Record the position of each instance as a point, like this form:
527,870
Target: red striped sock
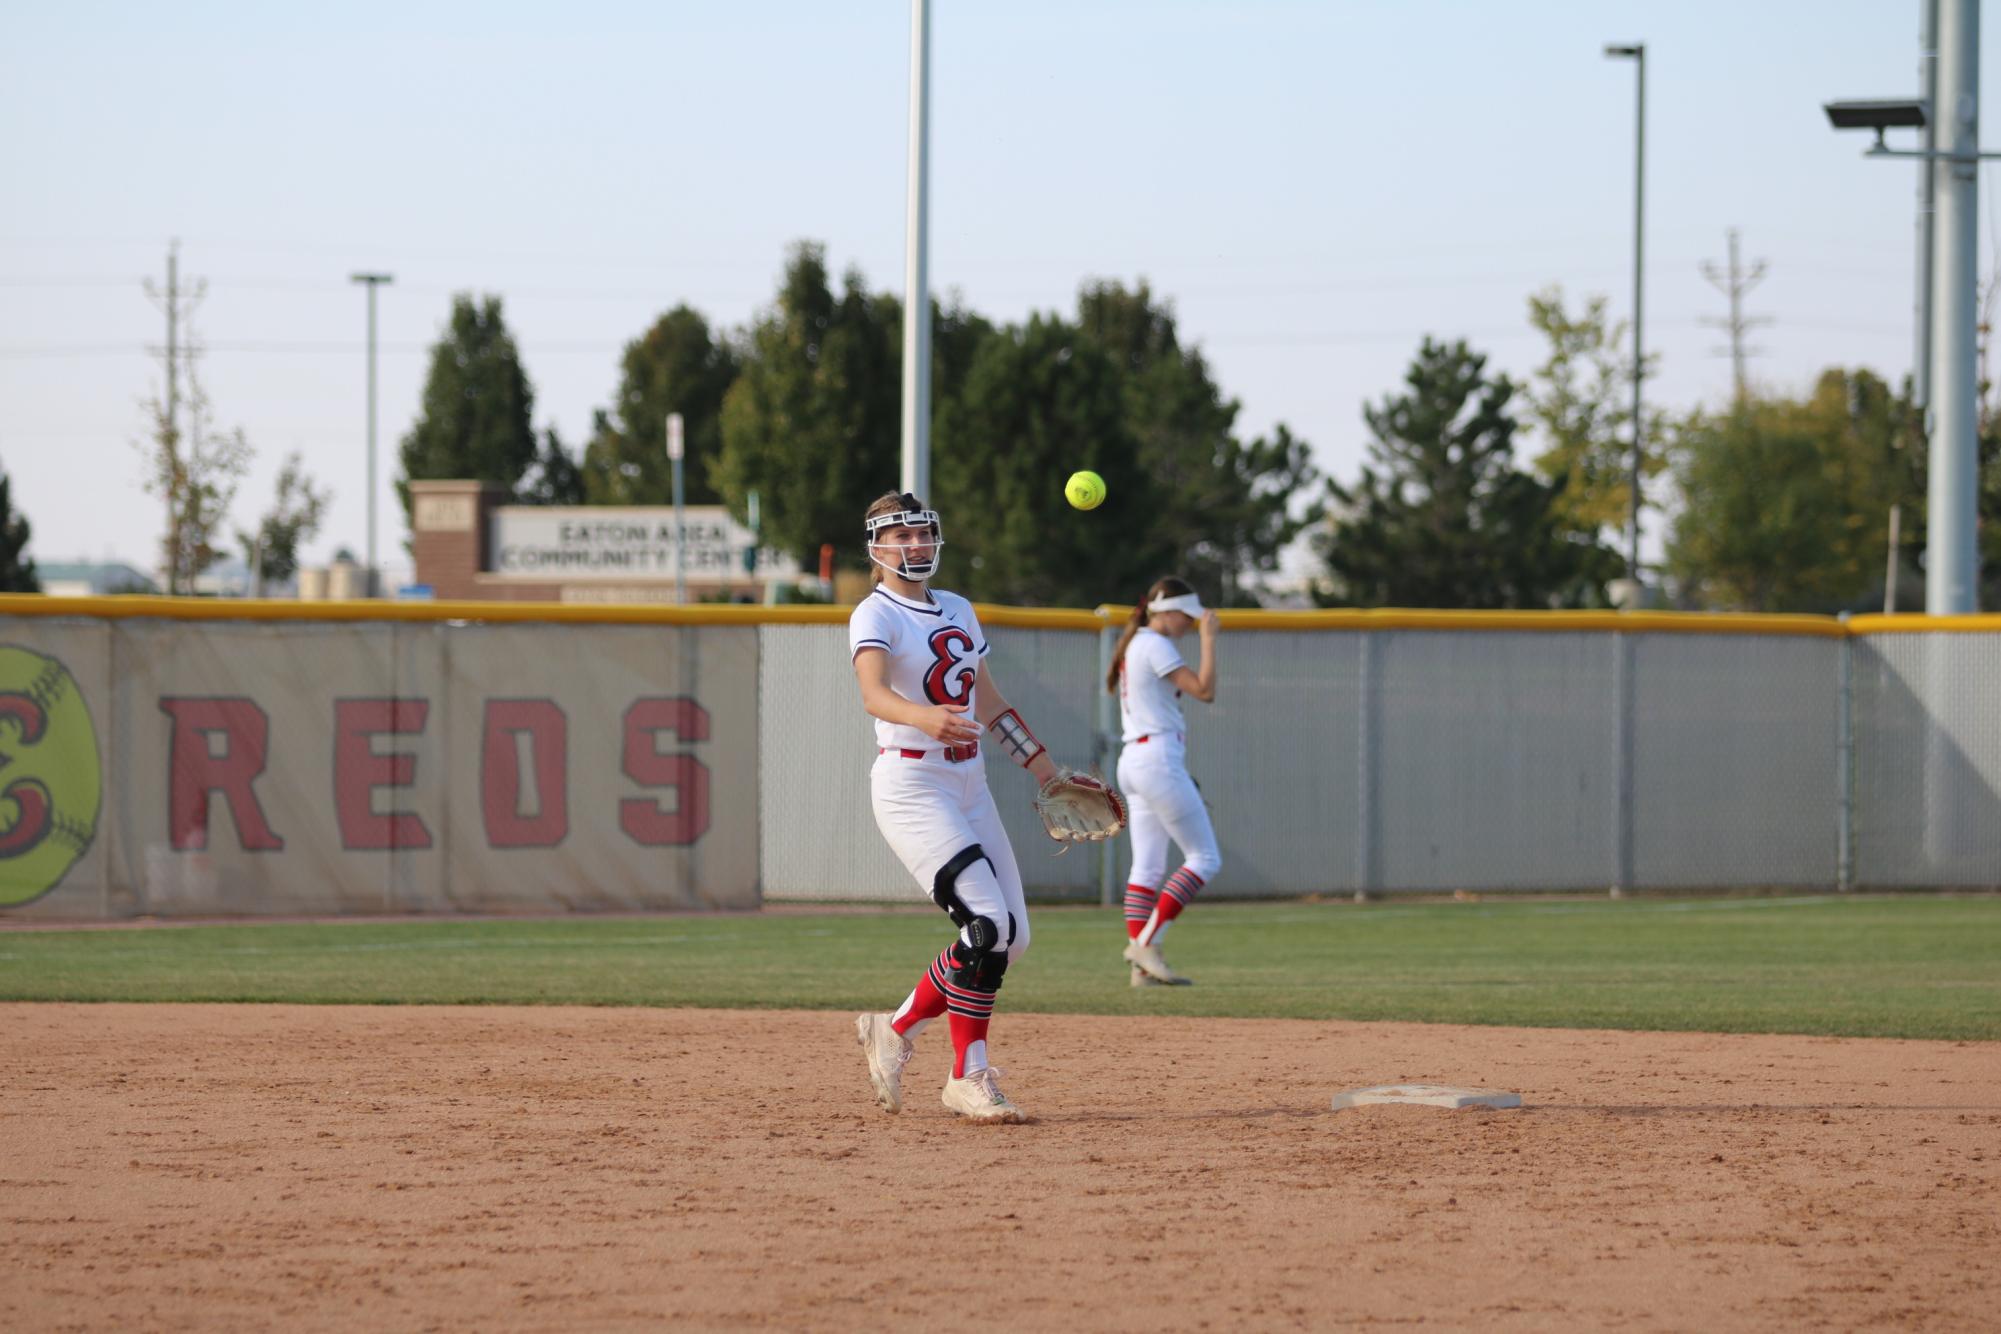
967,1012
1139,907
1177,893
927,1000
1174,896
965,1032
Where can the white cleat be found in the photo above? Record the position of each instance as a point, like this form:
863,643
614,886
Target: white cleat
1149,960
1142,978
888,1051
978,1097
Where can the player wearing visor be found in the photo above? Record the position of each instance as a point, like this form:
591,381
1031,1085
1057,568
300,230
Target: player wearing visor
1149,676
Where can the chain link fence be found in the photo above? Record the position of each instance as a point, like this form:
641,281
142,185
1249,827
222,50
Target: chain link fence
1433,759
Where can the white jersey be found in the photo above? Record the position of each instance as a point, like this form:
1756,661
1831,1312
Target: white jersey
1149,703
934,651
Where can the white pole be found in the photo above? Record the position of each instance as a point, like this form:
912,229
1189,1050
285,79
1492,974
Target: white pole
916,283
1951,565
372,281
675,449
1951,570
1921,372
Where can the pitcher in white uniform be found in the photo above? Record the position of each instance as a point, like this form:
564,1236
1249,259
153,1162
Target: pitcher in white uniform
1149,676
920,657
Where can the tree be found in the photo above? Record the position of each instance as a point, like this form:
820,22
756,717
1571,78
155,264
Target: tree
1222,507
1039,402
555,478
17,568
272,549
1784,503
195,468
196,472
1580,403
812,421
1441,517
678,365
477,404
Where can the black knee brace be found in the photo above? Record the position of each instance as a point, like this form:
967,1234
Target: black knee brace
945,886
980,954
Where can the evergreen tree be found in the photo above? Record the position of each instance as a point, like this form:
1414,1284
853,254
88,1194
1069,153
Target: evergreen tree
17,568
1038,403
678,365
812,420
1223,508
555,478
1441,517
474,423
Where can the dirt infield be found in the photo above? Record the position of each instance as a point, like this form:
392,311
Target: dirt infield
237,1167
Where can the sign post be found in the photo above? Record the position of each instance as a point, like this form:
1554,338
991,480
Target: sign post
675,449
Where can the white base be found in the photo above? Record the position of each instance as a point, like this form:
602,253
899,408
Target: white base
1426,1095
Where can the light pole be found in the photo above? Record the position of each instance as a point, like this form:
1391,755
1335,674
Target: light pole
1952,565
916,285
1637,53
371,281
1951,159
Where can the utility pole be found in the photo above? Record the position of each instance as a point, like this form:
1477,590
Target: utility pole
371,281
178,305
1734,282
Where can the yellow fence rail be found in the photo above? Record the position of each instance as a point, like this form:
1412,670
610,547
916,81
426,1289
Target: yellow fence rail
132,606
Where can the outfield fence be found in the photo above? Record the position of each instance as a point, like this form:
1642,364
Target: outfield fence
183,757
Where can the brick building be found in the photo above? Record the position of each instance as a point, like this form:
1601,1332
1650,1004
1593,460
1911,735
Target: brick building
468,543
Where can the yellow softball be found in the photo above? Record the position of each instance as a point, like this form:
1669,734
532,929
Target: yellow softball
1085,490
50,784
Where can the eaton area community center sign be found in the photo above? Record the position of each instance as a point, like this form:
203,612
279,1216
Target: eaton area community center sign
597,542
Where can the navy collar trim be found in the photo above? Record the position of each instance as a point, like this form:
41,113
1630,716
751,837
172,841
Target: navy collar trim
928,608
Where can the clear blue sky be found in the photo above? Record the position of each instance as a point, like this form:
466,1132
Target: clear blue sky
1314,185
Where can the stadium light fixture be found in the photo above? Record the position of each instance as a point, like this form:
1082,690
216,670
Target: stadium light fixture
1878,115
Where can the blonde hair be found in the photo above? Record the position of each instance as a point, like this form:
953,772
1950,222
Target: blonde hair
1168,586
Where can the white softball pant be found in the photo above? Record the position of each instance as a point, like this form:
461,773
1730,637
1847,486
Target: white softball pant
929,811
1164,804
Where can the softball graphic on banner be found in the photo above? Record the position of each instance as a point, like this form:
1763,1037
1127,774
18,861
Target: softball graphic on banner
50,784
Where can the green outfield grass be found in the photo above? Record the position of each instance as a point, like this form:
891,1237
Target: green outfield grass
1886,967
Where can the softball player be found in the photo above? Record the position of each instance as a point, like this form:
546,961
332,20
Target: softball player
920,657
1149,677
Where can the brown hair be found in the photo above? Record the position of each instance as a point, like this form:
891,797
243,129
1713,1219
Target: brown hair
889,502
1166,587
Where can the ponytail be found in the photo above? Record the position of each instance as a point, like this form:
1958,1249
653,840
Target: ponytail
1168,587
1133,624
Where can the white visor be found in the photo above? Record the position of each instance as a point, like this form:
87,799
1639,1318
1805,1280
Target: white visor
1188,604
